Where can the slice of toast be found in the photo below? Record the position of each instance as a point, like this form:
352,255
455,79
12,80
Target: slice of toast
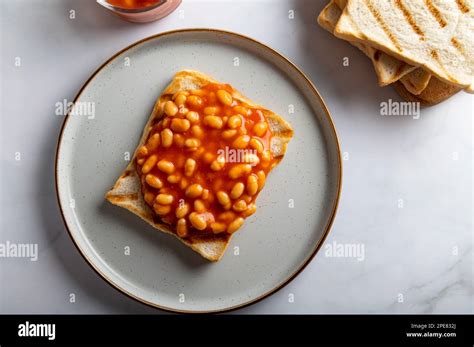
435,92
127,191
387,68
436,35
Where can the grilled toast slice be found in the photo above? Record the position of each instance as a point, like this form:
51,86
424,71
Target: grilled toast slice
436,35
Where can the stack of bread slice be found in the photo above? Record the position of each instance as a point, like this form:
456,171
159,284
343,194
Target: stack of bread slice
424,48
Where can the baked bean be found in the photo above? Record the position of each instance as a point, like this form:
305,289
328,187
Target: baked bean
178,140
237,190
170,108
224,97
194,191
208,157
251,159
182,210
153,181
181,92
239,170
266,156
256,144
166,166
182,111
241,142
235,225
165,123
261,179
180,125
213,122
208,217
239,206
142,151
199,206
200,92
149,197
197,131
183,184
252,184
212,98
251,209
227,216
234,122
164,199
153,142
228,134
189,167
196,152
173,179
180,99
182,228
192,143
218,164
247,198
166,138
260,128
194,101
161,209
210,110
192,116
218,227
149,163
197,221
223,198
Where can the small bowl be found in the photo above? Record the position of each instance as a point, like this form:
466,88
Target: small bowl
161,9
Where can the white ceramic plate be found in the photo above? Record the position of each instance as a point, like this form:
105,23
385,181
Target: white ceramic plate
295,210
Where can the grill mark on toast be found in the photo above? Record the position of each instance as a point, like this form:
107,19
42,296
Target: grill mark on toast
410,19
125,197
458,45
462,6
359,33
435,56
435,12
382,23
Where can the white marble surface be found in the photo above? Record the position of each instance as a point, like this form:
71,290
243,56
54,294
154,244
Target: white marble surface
421,253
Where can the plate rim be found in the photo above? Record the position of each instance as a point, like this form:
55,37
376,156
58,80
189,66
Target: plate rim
327,115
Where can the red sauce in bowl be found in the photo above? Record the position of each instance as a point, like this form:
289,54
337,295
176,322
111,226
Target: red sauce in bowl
132,4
